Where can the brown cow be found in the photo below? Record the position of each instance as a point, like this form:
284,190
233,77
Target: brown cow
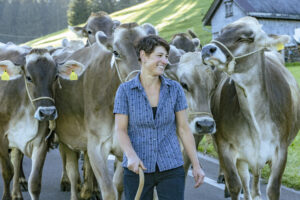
257,109
199,82
86,121
27,105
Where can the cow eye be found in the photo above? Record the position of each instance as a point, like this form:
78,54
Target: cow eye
116,54
249,40
89,32
56,77
28,78
184,86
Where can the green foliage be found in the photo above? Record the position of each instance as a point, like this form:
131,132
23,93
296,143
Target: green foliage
78,12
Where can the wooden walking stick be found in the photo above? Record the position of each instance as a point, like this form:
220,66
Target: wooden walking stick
141,184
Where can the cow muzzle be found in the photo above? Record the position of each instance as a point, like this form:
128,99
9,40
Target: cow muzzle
46,113
203,125
212,55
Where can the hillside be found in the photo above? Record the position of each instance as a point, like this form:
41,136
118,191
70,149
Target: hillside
168,16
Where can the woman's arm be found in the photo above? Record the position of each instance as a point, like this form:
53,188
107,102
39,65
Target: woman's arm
188,141
121,123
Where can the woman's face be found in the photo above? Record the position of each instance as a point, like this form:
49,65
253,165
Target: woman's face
155,62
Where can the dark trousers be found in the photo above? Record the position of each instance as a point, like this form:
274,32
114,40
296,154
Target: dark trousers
169,184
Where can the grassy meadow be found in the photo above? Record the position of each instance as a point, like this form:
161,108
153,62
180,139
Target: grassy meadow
174,16
168,16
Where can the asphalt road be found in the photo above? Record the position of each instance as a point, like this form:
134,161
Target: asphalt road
210,190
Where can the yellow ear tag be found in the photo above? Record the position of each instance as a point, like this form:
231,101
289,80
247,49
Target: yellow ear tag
73,76
5,76
280,46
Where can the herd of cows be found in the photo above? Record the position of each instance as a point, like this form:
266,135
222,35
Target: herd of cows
237,89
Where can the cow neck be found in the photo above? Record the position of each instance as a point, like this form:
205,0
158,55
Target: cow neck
115,63
232,63
52,123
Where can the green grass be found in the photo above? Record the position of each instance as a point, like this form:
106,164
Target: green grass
169,17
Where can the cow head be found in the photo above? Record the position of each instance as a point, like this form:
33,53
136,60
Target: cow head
122,44
238,41
198,82
186,42
40,74
99,21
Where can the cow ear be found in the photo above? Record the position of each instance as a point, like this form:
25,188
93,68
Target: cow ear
9,71
71,70
103,40
277,41
116,24
79,31
65,42
196,42
149,29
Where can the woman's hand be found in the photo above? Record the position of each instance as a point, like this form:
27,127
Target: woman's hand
133,164
199,175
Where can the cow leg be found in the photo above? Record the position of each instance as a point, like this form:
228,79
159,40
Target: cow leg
87,188
96,191
16,159
98,154
64,181
221,178
118,178
7,170
22,179
243,171
71,169
35,179
255,192
230,171
277,169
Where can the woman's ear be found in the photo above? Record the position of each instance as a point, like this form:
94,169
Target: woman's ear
142,55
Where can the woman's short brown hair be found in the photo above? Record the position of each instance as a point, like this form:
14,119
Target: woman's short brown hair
149,43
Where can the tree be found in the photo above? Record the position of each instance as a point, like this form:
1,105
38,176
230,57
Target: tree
78,12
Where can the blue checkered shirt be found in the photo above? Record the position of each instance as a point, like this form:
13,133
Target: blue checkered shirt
154,140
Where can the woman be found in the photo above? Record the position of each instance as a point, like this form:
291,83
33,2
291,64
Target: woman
148,111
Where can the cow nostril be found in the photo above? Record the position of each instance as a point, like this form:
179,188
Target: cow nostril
46,112
41,113
205,126
212,49
198,124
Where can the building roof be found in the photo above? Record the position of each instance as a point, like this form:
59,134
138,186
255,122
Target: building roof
270,9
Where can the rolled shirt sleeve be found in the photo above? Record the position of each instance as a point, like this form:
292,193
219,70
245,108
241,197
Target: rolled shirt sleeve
121,101
181,103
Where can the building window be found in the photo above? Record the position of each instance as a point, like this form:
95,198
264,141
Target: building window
228,8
